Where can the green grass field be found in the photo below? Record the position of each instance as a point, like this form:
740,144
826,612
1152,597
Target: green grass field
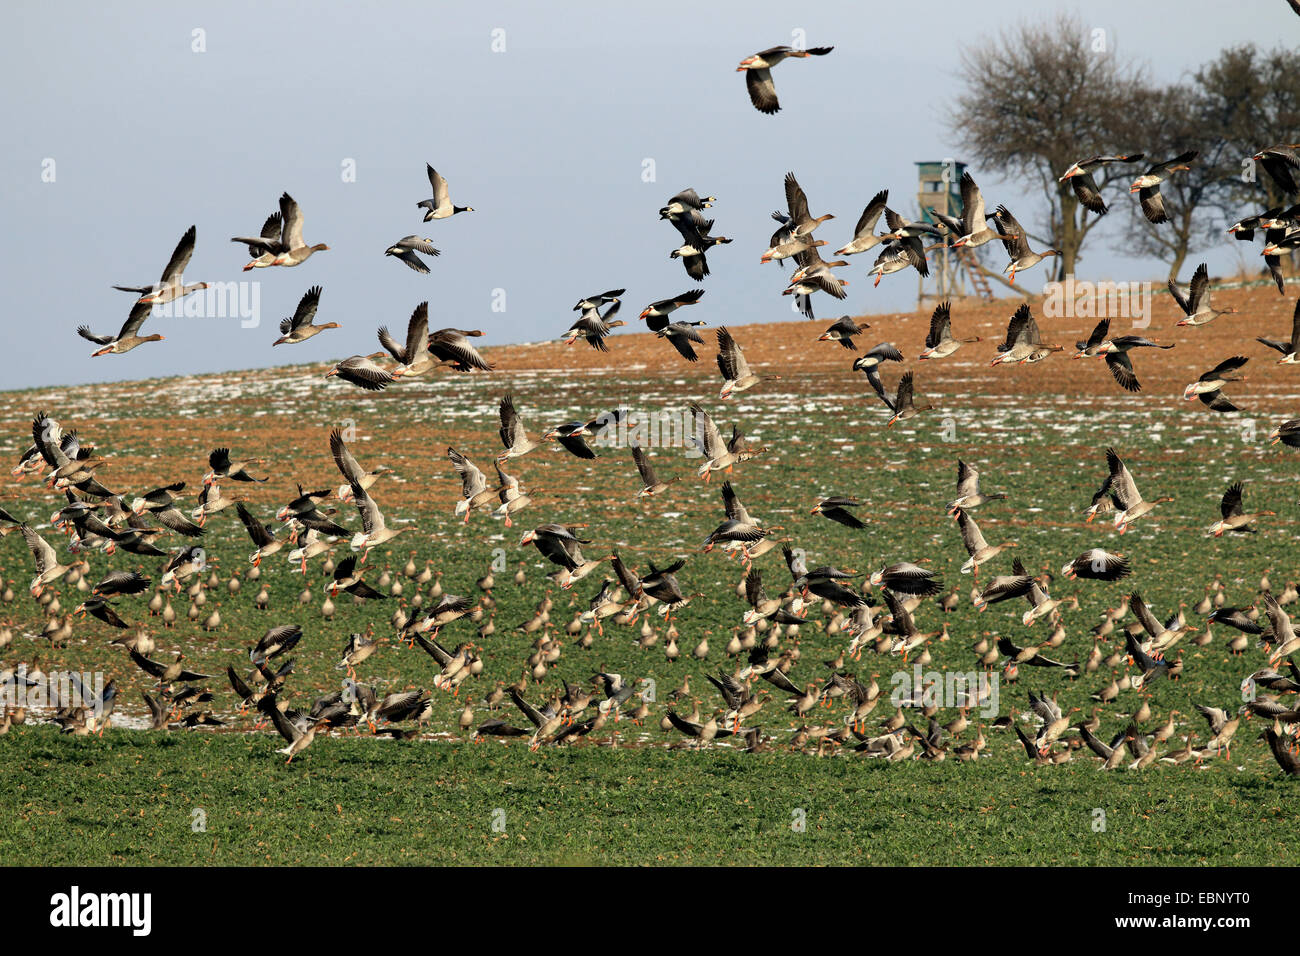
130,797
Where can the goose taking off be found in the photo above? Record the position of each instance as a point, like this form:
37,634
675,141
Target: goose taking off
1130,502
1147,186
1085,187
1232,518
406,248
904,404
170,286
298,327
758,74
440,206
1209,387
1195,301
939,342
1115,352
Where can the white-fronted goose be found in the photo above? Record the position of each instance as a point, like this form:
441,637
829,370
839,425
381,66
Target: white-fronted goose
364,372
1115,352
1085,187
1232,518
440,206
1195,302
758,73
170,286
127,337
406,248
864,236
1290,349
1147,186
1209,387
298,327
413,358
939,342
1129,500
296,251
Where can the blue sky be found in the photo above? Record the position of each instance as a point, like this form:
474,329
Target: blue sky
546,140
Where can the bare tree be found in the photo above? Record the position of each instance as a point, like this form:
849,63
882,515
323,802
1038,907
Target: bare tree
1039,98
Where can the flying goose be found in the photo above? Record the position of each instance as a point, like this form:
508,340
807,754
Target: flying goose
169,287
374,530
298,327
1195,302
835,508
440,206
413,358
904,404
1022,257
296,251
801,221
1129,500
968,490
864,236
1209,387
1232,518
939,342
406,248
127,337
869,365
696,242
474,486
452,348
1097,564
758,73
46,559
656,313
1024,343
1147,186
1085,186
979,550
1290,349
1115,352
222,466
571,435
362,371
650,483
736,374
680,335
262,536
266,246
843,332
593,327
975,231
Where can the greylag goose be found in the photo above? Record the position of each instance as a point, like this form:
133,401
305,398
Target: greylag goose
452,348
127,337
939,342
364,372
413,358
1115,352
656,313
696,242
1232,518
974,225
170,286
1097,564
1195,302
869,365
897,255
908,578
1024,343
277,640
708,439
1128,499
298,327
1147,186
680,335
561,545
474,487
801,221
513,434
758,73
784,246
904,404
1209,387
168,673
864,236
979,550
440,206
221,465
161,503
593,327
263,536
46,559
1290,349
650,483
836,508
374,530
181,565
968,490
265,247
511,494
1004,587
1085,186
347,578
406,248
736,374
739,529
1022,257
843,332
116,583
296,251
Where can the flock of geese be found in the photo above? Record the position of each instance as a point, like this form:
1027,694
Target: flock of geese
876,612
